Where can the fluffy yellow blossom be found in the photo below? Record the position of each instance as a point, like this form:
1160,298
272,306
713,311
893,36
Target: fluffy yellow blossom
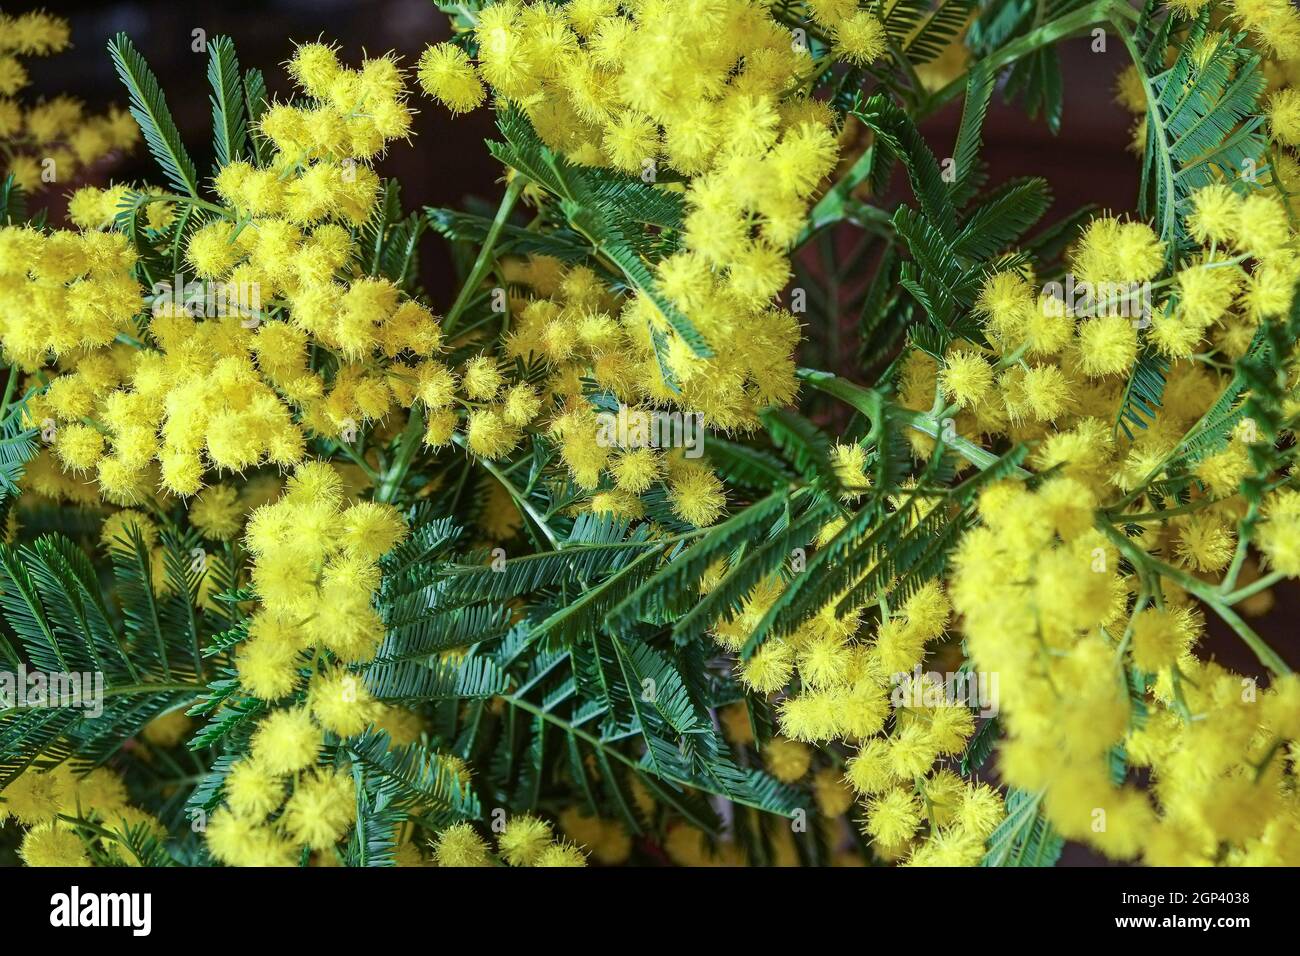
459,845
524,839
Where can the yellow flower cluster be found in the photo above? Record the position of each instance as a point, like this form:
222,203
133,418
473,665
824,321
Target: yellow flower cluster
314,570
1044,599
70,818
572,323
47,142
91,208
1274,25
1059,359
713,90
64,293
847,683
1039,586
320,809
193,392
315,573
1045,606
524,840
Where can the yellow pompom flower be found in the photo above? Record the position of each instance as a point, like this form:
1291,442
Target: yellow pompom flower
482,378
893,817
34,797
631,140
1261,227
1107,345
860,38
445,72
850,464
696,495
523,840
770,667
1279,535
459,845
440,427
912,751
321,809
314,67
636,470
340,702
92,208
286,740
371,529
1205,542
1215,210
211,250
217,513
252,791
79,447
488,435
52,844
1047,392
1284,116
966,378
981,809
1160,637
830,13
788,760
561,854
267,663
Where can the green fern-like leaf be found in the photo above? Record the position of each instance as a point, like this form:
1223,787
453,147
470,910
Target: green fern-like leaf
1203,122
149,107
229,109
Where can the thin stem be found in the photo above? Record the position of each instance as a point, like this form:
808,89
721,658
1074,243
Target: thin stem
484,261
1253,588
350,453
1229,581
9,391
1206,593
188,200
409,444
520,501
1191,507
870,403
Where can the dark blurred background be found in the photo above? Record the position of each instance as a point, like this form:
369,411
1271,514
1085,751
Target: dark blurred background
447,165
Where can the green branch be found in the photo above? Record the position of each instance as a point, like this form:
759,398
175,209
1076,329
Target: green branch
1206,593
483,264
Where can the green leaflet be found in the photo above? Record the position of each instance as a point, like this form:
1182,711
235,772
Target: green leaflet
13,201
149,107
229,109
1024,837
411,775
670,590
18,445
52,598
1202,120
